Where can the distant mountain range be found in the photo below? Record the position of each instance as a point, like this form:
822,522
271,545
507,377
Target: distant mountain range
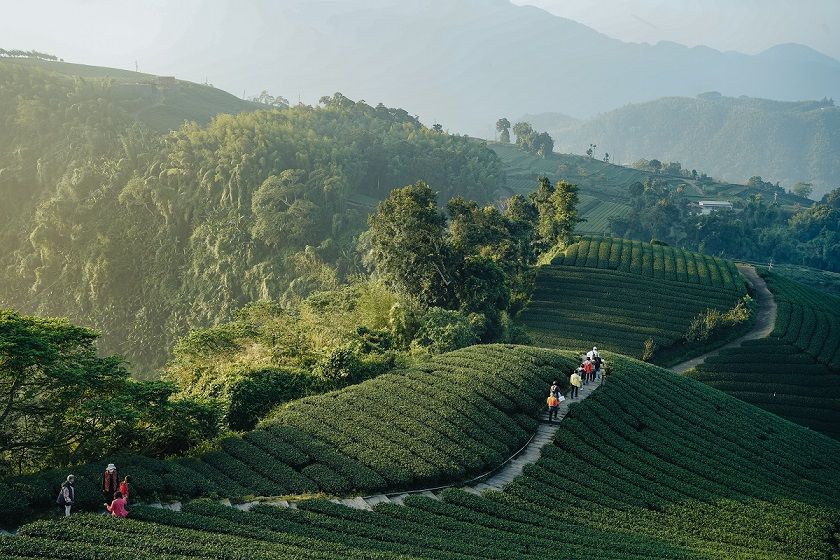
729,138
466,63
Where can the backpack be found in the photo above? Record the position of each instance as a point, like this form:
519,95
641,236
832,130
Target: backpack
60,499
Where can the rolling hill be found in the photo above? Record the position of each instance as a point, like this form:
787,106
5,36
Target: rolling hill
732,138
90,172
604,187
796,371
617,294
652,465
335,443
158,103
563,66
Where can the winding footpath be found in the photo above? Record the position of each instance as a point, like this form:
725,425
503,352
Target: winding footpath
496,479
530,453
765,320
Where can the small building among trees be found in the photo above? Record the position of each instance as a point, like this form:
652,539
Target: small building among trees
709,206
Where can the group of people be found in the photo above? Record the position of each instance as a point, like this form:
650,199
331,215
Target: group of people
114,491
589,370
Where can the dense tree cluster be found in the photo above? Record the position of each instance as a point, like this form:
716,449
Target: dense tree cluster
143,236
758,229
476,260
63,404
18,53
528,139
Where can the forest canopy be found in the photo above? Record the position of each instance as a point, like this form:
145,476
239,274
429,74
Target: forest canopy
144,235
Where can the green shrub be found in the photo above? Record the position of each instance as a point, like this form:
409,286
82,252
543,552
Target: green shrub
444,331
254,395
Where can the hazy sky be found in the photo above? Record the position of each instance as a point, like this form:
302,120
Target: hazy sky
748,26
169,36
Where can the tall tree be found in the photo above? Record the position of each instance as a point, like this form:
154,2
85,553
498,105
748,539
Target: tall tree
503,128
558,216
61,403
406,244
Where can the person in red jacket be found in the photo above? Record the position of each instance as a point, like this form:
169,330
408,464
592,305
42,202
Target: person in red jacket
117,506
110,482
124,489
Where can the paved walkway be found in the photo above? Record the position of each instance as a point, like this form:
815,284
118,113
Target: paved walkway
496,480
765,319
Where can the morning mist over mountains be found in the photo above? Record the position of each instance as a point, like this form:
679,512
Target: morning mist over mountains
465,64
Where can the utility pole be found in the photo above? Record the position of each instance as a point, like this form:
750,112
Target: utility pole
136,67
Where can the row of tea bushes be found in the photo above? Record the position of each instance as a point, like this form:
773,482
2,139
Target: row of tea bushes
458,415
651,466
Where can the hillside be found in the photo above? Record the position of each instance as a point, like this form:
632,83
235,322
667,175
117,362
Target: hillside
727,137
605,187
630,476
143,233
563,66
618,294
796,371
158,104
335,443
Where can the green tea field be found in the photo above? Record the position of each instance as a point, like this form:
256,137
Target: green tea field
335,442
796,371
616,294
652,465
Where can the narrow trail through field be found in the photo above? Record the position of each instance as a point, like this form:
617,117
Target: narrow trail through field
765,319
494,480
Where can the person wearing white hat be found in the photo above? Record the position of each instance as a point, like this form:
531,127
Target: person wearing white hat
592,354
67,495
110,482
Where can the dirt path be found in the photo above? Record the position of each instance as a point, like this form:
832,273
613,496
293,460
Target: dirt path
765,319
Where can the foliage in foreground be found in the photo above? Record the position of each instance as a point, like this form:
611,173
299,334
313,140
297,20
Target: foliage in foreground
664,468
64,404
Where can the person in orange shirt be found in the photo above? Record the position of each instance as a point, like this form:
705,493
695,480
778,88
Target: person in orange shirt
553,405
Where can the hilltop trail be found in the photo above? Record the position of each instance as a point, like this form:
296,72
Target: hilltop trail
765,319
495,480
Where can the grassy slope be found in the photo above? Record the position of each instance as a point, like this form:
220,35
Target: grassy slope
796,371
650,466
823,280
460,414
616,294
162,108
604,186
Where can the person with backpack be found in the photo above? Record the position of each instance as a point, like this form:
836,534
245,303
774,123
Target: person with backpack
124,488
555,389
598,363
574,384
592,354
117,505
67,495
110,482
553,406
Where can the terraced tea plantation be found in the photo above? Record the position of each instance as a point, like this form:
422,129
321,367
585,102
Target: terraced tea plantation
796,371
616,294
461,414
665,468
807,318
